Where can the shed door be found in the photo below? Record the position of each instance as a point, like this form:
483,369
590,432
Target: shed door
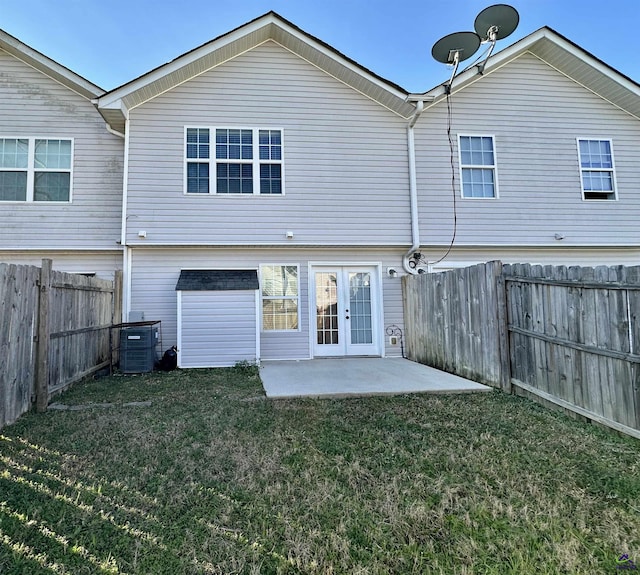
217,328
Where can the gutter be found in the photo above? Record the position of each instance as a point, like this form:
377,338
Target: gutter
413,185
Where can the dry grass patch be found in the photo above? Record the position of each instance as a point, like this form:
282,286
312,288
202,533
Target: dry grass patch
209,479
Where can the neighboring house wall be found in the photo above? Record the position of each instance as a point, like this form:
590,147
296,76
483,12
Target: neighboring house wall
155,273
536,115
565,256
35,106
103,264
345,160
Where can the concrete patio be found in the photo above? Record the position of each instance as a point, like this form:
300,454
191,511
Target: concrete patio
346,377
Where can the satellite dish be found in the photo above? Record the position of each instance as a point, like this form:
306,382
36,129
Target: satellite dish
496,22
456,47
453,49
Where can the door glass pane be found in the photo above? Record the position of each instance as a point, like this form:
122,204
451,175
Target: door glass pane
360,307
327,308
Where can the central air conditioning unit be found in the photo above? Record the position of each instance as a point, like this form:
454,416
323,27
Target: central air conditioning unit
138,349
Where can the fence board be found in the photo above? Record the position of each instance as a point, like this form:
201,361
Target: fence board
451,321
18,305
567,335
55,342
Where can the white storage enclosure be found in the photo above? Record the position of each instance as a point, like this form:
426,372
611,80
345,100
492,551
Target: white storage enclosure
218,319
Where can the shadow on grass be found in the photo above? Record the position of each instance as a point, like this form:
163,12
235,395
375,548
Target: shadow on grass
58,517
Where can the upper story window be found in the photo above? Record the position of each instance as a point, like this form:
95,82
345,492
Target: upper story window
478,167
279,292
35,170
233,161
597,169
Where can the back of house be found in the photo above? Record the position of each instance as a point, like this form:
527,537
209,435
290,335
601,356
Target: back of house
264,194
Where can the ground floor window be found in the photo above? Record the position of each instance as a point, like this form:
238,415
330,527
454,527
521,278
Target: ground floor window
280,297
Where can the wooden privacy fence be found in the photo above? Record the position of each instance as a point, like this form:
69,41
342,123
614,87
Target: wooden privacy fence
55,329
452,322
565,335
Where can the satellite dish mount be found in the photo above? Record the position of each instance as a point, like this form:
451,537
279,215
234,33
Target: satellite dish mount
453,49
495,23
492,24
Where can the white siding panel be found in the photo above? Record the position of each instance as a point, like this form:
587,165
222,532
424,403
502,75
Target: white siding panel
218,328
535,114
33,105
156,272
345,158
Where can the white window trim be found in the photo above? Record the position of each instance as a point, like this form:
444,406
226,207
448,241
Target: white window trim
612,170
494,167
212,161
262,298
31,169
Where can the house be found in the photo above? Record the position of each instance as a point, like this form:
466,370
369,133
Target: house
274,191
559,178
60,167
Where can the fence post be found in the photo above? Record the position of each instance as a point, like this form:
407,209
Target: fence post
116,315
42,348
116,318
503,329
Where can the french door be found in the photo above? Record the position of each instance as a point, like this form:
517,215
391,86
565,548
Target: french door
346,310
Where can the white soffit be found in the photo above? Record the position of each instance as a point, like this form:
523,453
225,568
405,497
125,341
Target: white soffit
267,27
48,67
569,59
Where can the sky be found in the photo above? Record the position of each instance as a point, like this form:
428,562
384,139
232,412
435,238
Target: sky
111,43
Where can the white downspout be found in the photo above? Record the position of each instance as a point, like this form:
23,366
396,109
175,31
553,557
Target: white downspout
114,132
126,251
413,189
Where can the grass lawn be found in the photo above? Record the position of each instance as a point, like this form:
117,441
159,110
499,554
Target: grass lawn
213,478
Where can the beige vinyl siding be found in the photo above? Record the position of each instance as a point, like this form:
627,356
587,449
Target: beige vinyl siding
345,159
155,273
535,115
34,105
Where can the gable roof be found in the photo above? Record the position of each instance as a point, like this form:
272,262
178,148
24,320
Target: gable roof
114,105
566,57
48,67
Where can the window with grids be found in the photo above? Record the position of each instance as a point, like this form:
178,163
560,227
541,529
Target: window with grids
597,169
35,170
237,161
478,167
279,292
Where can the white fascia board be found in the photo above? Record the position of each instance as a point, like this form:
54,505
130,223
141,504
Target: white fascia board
49,67
495,61
110,100
598,65
527,44
334,55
